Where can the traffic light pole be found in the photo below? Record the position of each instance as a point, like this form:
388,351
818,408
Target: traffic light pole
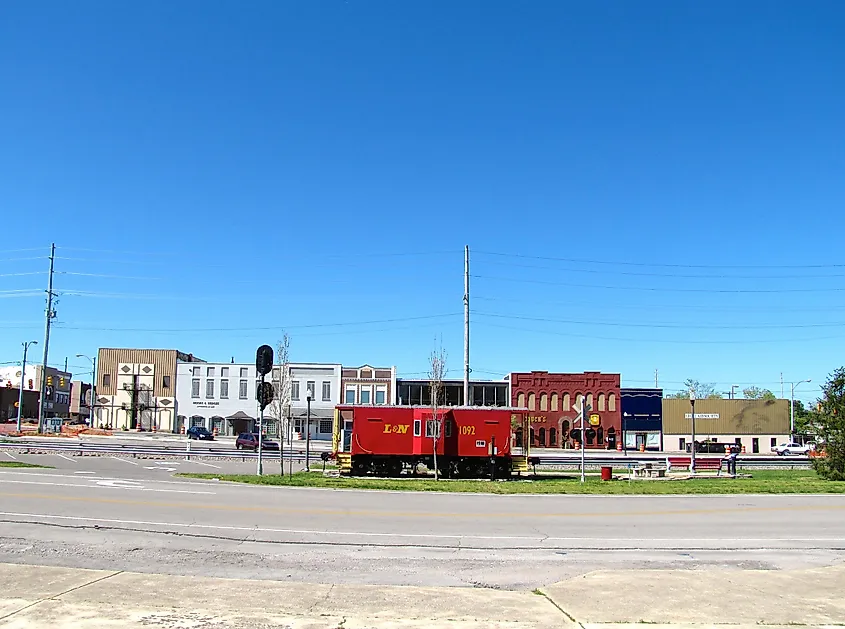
50,314
260,427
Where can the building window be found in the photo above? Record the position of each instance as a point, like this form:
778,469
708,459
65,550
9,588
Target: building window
325,426
224,372
601,401
106,380
327,391
165,382
195,388
611,402
520,400
209,389
294,390
244,372
682,444
554,401
224,389
242,389
310,389
552,437
532,402
590,400
209,372
544,402
774,442
381,395
195,371
365,395
350,395
578,398
566,402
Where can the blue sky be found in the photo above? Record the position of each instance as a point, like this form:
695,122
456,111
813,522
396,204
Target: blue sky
642,185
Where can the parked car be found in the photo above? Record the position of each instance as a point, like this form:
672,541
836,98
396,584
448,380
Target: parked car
785,449
249,441
200,432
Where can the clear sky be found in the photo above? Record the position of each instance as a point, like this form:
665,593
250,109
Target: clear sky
643,185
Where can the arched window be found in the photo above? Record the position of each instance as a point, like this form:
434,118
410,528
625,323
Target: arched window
544,402
578,398
532,402
520,400
611,402
552,437
590,400
554,401
565,402
532,435
519,437
591,435
600,436
564,431
542,438
601,401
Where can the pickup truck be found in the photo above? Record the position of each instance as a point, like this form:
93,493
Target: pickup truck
785,449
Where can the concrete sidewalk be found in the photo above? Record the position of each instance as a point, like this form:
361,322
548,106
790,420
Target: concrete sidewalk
33,597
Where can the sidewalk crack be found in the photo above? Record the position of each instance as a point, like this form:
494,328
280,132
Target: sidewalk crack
55,596
558,607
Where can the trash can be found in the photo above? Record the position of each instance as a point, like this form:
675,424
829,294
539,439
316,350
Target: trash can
607,473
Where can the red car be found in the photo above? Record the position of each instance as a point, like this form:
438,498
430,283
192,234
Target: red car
249,441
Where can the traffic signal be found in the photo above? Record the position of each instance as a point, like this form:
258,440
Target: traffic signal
17,404
62,382
8,384
49,381
30,383
264,360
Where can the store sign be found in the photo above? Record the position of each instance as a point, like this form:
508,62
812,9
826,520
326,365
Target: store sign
703,416
207,404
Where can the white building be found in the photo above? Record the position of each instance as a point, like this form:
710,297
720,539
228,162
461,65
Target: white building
222,396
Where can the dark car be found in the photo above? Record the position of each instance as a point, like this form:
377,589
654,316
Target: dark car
249,441
200,432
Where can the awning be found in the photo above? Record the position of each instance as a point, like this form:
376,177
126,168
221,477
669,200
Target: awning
240,415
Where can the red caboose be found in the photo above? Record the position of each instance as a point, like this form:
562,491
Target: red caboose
469,441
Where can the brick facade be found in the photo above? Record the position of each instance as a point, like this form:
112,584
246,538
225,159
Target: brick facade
552,399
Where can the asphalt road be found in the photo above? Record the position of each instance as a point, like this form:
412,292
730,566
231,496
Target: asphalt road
128,514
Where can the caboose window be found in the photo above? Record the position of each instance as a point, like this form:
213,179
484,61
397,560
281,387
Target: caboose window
448,428
417,427
432,428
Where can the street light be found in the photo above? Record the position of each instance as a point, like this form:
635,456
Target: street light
308,395
23,375
93,387
692,448
792,406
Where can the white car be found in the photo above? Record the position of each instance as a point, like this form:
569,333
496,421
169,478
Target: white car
785,449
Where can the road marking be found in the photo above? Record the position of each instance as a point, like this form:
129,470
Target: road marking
158,467
107,484
85,472
10,455
521,515
117,458
556,540
217,467
67,458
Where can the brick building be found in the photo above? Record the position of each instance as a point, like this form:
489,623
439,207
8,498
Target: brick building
553,400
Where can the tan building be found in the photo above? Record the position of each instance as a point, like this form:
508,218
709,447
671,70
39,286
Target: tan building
136,388
759,425
368,385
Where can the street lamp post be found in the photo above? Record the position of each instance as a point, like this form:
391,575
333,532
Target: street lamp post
23,375
93,388
692,446
308,395
792,406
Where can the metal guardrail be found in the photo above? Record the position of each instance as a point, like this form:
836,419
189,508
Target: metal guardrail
149,452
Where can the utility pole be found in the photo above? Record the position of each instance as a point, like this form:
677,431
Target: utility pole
49,319
23,375
655,379
781,385
692,449
466,326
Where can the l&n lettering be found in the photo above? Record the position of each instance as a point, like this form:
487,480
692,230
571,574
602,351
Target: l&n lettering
399,429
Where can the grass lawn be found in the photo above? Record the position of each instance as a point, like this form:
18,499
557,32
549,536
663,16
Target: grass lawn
19,464
761,482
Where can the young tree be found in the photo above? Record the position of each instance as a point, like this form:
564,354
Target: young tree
756,393
829,424
437,370
702,390
280,406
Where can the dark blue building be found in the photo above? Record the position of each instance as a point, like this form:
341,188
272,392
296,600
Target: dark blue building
642,418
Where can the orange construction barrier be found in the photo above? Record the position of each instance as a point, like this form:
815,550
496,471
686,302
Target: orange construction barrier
214,432
577,445
743,449
619,447
183,429
642,447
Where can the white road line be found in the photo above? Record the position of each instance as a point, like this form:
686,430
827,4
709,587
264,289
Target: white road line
104,485
117,458
10,455
217,467
85,472
67,458
598,540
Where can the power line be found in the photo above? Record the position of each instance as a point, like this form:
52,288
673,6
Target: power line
678,326
663,265
663,289
340,255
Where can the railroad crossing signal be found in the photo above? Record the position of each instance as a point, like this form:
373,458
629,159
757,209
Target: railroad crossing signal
264,393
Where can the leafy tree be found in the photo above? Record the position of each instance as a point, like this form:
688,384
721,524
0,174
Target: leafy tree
829,424
803,419
756,393
702,390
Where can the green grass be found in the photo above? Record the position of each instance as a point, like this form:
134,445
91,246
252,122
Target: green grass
19,464
761,482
